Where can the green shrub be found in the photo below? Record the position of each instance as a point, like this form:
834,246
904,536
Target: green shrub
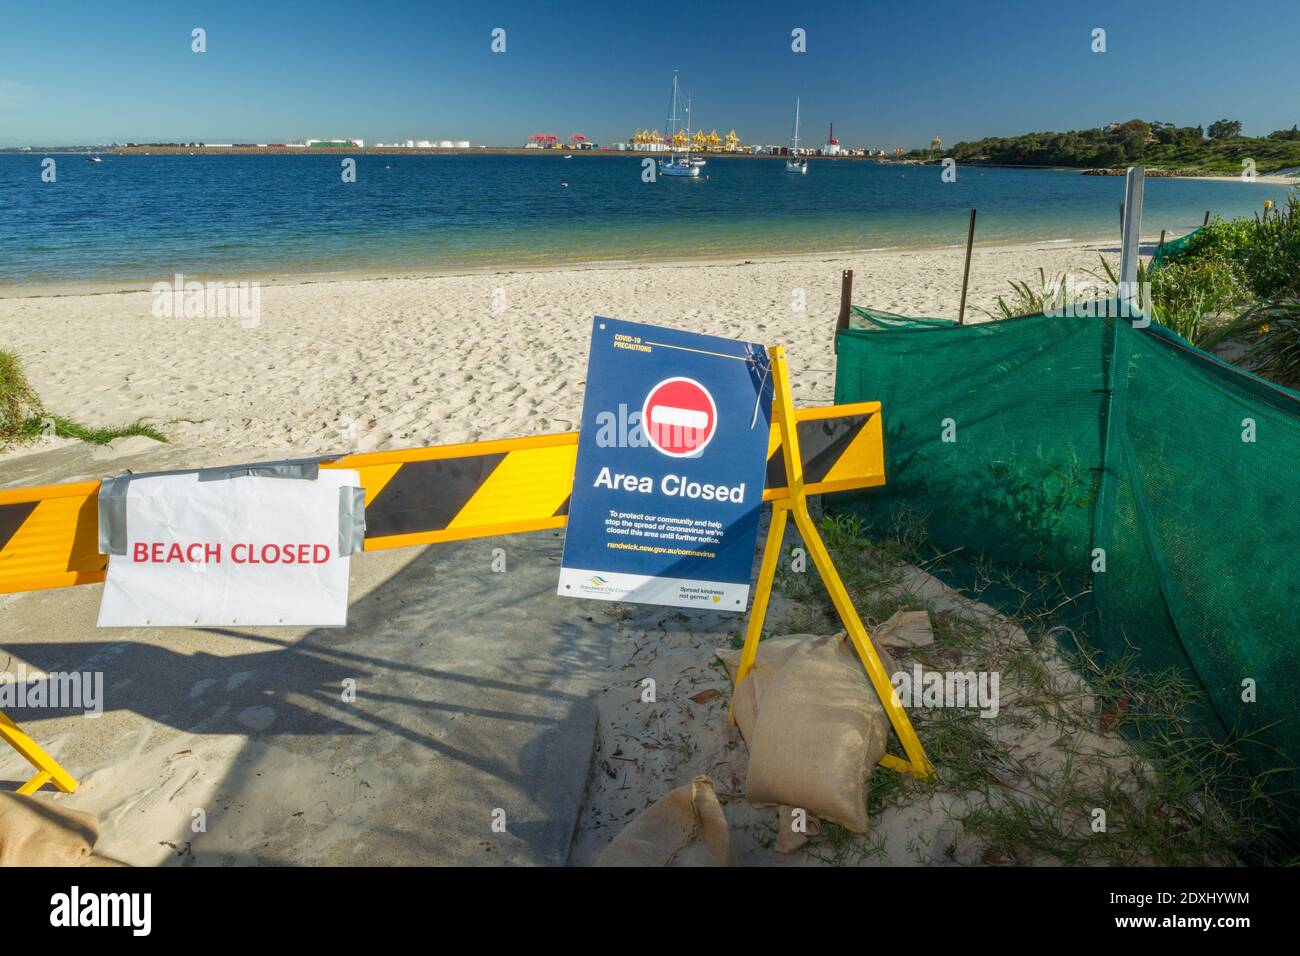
1186,296
1266,250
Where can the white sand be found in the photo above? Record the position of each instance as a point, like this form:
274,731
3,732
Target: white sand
426,360
1281,177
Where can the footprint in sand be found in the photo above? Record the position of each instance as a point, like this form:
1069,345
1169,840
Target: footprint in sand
257,718
238,679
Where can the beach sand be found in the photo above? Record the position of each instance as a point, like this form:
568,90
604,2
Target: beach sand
376,363
475,690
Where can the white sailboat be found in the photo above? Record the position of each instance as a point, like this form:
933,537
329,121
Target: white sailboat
679,165
793,165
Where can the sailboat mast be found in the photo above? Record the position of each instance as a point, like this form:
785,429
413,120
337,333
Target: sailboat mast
688,126
796,123
672,109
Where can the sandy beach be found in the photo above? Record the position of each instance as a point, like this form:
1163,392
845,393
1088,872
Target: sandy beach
452,720
338,364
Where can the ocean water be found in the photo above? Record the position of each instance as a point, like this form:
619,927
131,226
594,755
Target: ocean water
142,218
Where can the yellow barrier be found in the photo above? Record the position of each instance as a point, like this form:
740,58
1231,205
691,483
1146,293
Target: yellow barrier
47,770
49,535
795,502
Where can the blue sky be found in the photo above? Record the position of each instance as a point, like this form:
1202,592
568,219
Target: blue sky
887,73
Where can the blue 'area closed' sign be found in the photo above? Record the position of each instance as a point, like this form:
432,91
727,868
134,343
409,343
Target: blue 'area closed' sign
668,486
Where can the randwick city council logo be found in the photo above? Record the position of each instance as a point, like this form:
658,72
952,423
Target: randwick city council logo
601,586
679,417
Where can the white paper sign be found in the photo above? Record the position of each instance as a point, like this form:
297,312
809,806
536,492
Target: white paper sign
248,550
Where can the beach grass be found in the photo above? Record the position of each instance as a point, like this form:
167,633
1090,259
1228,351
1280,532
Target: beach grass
23,417
19,403
1271,332
58,425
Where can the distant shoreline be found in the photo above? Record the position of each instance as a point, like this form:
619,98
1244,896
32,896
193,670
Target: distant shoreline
413,151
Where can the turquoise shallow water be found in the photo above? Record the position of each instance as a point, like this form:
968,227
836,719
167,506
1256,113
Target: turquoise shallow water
141,218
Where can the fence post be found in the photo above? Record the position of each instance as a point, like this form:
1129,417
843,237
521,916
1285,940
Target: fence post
965,278
1128,257
846,300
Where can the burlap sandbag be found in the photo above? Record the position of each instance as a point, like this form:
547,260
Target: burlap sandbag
772,654
36,832
818,728
681,825
788,837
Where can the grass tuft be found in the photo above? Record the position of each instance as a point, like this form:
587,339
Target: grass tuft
23,418
62,427
19,402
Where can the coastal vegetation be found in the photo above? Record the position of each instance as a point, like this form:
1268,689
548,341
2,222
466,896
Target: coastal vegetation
23,417
1234,286
1218,150
19,402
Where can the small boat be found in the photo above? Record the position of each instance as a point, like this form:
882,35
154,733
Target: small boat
93,159
796,165
568,156
679,165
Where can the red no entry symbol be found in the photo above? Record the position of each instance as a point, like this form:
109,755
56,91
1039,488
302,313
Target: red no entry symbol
679,417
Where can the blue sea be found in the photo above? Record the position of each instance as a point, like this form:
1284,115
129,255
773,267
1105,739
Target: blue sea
142,218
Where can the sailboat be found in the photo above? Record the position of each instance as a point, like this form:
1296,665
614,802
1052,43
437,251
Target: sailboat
794,165
681,165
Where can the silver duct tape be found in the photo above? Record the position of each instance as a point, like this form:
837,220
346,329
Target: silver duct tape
352,520
112,513
305,470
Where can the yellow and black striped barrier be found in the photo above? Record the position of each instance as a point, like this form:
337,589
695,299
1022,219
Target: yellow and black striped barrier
49,534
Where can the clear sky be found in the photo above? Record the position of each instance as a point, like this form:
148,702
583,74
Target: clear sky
887,73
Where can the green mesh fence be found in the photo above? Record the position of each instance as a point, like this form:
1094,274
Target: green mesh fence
1036,440
1171,250
875,319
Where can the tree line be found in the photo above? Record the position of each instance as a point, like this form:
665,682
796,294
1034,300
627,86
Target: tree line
1117,144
